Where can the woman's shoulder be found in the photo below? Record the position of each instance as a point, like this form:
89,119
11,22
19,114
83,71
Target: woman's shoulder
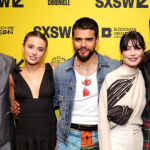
112,74
50,66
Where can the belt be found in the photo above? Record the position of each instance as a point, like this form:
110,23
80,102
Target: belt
84,127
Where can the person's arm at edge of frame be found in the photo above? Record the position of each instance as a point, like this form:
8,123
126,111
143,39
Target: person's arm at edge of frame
103,123
55,98
15,107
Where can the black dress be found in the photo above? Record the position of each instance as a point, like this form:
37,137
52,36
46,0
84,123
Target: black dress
36,124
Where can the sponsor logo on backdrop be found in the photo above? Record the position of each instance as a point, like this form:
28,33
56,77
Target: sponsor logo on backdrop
59,2
116,32
54,31
11,3
57,60
65,32
6,30
106,32
121,3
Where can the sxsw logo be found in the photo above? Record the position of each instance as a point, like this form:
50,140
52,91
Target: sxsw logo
121,3
54,31
15,3
106,32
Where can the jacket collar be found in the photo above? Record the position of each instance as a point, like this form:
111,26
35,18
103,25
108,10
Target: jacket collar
101,62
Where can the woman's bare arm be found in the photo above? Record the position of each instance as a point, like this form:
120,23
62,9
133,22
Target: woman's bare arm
15,109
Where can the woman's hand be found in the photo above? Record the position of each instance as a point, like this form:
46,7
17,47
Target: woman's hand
15,108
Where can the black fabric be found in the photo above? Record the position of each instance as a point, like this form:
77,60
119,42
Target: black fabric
146,77
36,124
146,68
117,113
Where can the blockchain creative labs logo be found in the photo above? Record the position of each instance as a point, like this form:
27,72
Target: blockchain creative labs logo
121,3
106,32
119,32
6,30
11,3
116,32
57,60
54,31
59,2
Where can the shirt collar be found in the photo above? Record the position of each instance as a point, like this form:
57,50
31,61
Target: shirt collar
101,62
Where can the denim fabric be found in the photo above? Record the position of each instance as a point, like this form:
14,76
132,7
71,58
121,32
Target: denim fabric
65,88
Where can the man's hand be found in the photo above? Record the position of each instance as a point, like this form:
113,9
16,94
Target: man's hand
106,56
15,108
53,66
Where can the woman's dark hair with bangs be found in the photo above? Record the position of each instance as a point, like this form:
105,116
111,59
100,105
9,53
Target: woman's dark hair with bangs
86,23
135,38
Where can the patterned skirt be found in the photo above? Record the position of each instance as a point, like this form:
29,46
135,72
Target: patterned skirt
80,140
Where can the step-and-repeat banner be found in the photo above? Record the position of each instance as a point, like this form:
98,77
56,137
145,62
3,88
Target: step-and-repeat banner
55,18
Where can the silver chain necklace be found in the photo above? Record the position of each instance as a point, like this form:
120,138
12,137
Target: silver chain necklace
86,68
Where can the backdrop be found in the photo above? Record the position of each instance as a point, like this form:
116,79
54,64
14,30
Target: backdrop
55,18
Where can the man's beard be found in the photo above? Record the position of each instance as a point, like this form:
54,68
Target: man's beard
84,58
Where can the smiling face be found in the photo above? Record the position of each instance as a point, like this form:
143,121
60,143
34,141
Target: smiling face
34,50
84,42
132,56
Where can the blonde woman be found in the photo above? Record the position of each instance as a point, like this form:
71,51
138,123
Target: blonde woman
32,87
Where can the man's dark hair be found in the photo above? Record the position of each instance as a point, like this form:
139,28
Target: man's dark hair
135,38
86,23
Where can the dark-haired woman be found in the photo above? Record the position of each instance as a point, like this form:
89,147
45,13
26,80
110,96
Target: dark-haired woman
122,99
32,87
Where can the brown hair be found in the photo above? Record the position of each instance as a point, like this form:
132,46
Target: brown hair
35,34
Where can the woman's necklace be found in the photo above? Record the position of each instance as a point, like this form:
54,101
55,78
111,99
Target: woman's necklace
33,81
35,78
86,68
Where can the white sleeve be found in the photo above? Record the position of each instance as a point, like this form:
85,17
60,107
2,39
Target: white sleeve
103,123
